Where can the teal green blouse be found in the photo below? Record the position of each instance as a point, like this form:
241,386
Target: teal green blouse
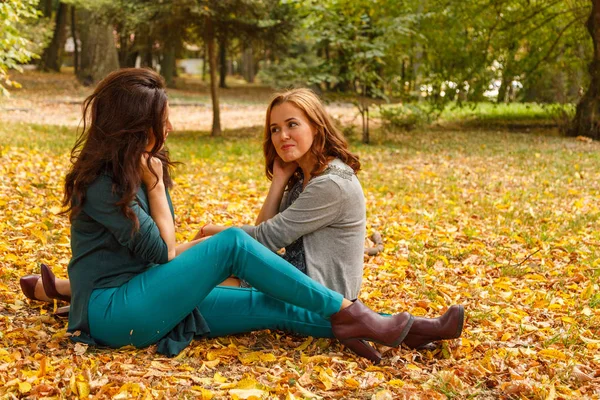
107,253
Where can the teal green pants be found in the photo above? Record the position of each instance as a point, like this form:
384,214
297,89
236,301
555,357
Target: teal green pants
151,304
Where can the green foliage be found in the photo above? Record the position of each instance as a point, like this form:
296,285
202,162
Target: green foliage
17,46
403,116
487,111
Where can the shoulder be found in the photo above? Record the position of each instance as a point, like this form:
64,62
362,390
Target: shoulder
338,173
103,184
337,168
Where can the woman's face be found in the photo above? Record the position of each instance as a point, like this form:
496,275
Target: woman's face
292,134
168,128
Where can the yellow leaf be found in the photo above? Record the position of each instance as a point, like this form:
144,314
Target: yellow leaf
83,389
568,320
249,394
268,357
247,383
24,387
325,378
132,389
73,384
290,396
588,291
249,358
219,378
205,393
314,359
413,367
213,363
305,344
383,395
352,383
552,353
396,382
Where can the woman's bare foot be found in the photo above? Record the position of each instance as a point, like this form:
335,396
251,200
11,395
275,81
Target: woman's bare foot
63,286
39,292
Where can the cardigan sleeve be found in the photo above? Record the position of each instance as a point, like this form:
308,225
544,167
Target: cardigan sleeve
101,205
319,205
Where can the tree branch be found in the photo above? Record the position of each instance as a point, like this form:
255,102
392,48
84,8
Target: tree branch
556,41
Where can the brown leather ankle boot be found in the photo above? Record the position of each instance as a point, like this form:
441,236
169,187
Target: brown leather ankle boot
356,324
426,330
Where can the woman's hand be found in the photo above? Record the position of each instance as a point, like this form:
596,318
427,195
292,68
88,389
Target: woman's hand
283,170
209,230
156,166
202,233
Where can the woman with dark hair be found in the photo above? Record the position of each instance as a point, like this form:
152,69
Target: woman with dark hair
132,284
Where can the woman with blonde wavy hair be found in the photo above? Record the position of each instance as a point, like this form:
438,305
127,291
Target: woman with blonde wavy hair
315,207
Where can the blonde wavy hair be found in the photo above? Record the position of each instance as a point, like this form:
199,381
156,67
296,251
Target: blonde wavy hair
328,141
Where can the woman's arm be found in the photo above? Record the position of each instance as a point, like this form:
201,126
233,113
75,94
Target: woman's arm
209,230
270,207
319,205
180,248
282,172
159,205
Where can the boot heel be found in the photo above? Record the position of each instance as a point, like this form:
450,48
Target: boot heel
363,349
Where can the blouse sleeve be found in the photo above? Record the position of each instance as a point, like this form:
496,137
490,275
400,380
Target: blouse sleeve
101,205
319,205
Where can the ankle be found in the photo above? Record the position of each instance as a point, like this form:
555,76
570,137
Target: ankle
345,304
39,292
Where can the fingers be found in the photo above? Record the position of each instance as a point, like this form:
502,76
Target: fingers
152,174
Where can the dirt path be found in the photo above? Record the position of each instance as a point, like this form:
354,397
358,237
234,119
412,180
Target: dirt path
55,99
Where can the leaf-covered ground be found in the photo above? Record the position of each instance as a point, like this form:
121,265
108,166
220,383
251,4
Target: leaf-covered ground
504,223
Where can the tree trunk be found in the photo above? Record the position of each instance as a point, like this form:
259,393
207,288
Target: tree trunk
248,60
366,137
52,57
222,61
204,60
98,51
167,65
147,60
587,116
503,89
46,8
75,42
418,60
127,57
212,60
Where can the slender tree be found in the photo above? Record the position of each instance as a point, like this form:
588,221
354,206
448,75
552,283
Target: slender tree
209,37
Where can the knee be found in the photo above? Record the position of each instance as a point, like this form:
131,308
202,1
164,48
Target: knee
234,235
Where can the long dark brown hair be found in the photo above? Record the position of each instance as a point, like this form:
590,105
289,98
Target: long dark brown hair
127,108
328,141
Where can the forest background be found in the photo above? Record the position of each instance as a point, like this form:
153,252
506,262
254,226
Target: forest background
477,124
